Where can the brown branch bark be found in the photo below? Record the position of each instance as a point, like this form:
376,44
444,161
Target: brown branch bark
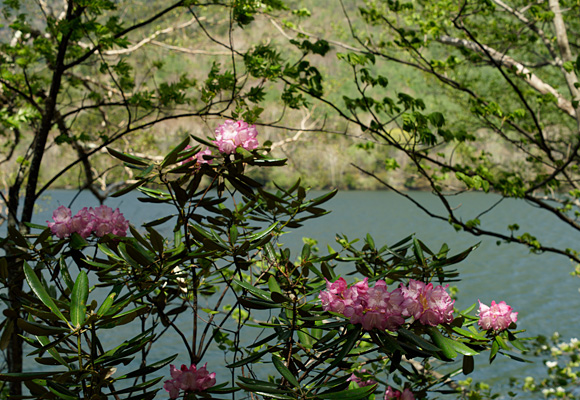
527,75
564,46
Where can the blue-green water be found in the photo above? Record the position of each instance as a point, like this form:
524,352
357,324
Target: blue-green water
539,287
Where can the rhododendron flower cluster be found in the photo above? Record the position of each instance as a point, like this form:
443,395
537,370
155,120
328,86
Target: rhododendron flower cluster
392,394
198,157
231,135
498,316
430,305
359,381
189,379
376,307
100,221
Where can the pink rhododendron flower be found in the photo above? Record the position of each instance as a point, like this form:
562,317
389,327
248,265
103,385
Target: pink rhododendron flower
83,222
392,394
172,388
374,307
198,157
498,316
189,379
231,135
359,381
100,221
106,221
61,226
427,304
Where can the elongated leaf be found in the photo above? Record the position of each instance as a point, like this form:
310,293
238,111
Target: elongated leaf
43,340
418,340
350,394
150,368
271,393
468,365
26,376
108,302
64,273
323,199
140,386
500,340
36,328
351,340
260,235
254,290
284,371
79,296
449,346
127,157
265,340
469,334
273,285
418,251
171,157
493,351
6,334
61,391
41,292
516,358
517,344
129,188
247,360
257,384
440,341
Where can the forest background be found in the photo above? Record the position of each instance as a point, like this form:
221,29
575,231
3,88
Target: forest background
319,145
445,96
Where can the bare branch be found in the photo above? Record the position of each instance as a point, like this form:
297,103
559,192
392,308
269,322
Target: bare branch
528,76
302,32
564,46
303,127
150,38
530,24
190,51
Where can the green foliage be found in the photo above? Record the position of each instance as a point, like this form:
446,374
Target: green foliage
235,249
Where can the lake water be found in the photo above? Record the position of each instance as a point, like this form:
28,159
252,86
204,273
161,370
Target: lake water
539,287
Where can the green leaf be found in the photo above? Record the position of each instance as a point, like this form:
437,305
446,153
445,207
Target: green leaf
79,296
41,292
454,346
468,365
260,235
172,156
350,394
127,158
247,360
502,342
418,340
273,285
418,251
26,376
77,242
129,188
61,391
466,333
262,294
493,351
517,344
284,371
43,340
36,328
108,302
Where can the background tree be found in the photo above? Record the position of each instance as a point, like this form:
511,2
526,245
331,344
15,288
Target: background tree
495,108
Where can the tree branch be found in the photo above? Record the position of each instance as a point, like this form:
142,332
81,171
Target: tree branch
502,59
